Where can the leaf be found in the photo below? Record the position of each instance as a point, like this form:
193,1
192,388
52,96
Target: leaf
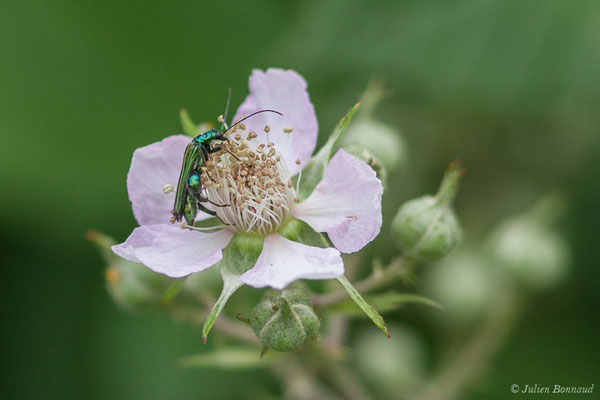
238,257
189,127
227,359
386,302
366,307
313,172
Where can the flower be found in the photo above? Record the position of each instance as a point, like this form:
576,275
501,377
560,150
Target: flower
257,197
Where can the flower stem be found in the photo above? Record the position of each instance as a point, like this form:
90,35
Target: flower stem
397,269
226,326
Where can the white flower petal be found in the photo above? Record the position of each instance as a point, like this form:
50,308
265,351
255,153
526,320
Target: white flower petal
346,203
173,251
283,91
283,261
152,167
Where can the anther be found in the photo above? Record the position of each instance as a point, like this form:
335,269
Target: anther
288,129
220,118
267,128
298,161
168,188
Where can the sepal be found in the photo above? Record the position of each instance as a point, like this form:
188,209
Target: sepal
239,256
315,169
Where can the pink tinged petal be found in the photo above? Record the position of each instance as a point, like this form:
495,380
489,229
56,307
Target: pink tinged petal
282,261
346,204
173,251
283,91
152,167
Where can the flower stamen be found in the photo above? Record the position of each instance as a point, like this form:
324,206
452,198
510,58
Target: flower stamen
258,199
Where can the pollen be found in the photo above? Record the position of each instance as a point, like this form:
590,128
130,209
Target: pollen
251,180
168,188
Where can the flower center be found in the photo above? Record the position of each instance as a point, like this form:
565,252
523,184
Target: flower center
251,184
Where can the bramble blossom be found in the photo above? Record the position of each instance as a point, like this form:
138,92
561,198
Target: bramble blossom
259,197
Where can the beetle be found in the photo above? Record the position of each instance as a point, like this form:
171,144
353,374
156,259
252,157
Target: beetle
188,196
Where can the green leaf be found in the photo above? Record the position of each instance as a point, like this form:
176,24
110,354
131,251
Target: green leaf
189,127
386,302
366,307
238,257
227,359
313,172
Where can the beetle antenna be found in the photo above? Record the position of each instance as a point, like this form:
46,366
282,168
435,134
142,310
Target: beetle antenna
223,124
251,115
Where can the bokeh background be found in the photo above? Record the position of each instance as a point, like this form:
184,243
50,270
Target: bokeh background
510,87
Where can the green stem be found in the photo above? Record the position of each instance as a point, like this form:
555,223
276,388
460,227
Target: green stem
399,268
224,325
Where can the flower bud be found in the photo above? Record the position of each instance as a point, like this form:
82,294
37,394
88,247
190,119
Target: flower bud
284,320
368,158
393,365
464,283
131,285
530,251
381,141
427,228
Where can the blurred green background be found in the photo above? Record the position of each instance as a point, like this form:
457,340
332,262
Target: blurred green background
510,87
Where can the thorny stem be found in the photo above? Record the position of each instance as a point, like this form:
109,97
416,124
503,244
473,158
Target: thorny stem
397,269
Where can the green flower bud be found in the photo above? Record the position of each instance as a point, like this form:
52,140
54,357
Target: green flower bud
465,285
284,320
131,285
383,142
367,157
427,228
394,365
530,251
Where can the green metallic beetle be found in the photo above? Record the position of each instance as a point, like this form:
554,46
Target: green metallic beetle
188,196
